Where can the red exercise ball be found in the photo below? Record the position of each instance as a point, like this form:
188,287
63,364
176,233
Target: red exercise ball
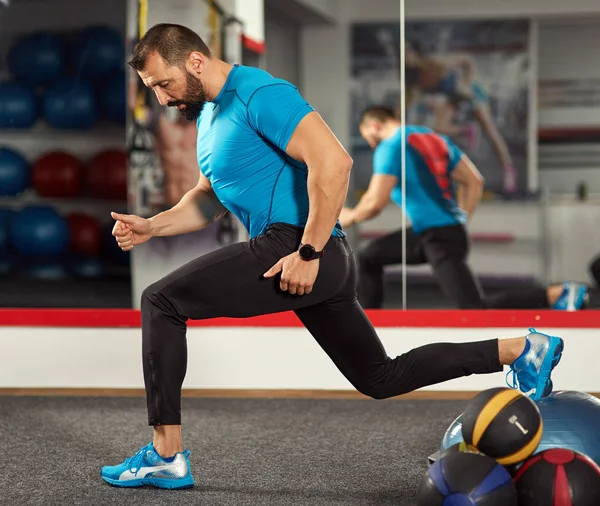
107,175
85,234
57,174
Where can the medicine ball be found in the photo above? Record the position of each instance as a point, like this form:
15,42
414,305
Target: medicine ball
558,477
39,231
107,175
37,59
113,98
18,106
504,424
97,51
57,174
85,234
466,479
14,173
70,104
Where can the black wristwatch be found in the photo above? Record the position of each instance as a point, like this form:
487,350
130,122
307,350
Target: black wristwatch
307,252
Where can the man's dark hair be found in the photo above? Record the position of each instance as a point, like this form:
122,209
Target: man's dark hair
173,43
378,113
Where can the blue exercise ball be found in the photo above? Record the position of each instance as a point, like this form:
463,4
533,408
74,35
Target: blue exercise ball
37,59
14,173
571,421
18,106
70,104
39,231
113,98
98,51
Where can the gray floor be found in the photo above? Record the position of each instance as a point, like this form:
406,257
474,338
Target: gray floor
244,452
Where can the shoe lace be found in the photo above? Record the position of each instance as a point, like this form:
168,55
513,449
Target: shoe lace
135,461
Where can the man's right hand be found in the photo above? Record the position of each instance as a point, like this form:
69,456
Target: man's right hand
130,230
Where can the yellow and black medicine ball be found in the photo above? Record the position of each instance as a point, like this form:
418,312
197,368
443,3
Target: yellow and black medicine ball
504,424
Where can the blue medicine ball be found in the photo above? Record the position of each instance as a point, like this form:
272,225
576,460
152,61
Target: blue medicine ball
113,98
18,106
98,51
14,173
39,231
70,104
37,59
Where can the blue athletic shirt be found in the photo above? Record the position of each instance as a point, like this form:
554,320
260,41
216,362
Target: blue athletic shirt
430,160
242,137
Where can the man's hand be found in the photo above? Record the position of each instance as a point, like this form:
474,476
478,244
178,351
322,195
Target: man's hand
347,217
130,230
297,276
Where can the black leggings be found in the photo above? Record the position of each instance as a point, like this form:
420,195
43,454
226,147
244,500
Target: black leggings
446,249
229,283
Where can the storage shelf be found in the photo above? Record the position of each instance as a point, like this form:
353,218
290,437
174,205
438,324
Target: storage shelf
45,133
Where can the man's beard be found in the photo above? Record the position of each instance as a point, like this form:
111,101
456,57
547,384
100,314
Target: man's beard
195,98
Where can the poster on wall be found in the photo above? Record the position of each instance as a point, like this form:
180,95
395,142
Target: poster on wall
469,80
163,164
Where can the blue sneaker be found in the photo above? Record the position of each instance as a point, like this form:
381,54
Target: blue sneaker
147,467
531,371
572,298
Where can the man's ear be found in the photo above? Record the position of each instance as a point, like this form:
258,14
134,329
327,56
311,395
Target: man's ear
196,61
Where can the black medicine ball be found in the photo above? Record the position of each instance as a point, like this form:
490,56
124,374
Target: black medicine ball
465,479
558,477
504,424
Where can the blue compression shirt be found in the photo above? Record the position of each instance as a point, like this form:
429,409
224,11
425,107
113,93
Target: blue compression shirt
242,137
430,159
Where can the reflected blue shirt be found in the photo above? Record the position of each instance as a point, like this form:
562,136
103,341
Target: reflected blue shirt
430,160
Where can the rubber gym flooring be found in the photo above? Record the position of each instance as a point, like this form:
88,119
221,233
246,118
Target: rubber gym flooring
244,452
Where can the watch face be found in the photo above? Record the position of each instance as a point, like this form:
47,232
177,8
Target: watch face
307,251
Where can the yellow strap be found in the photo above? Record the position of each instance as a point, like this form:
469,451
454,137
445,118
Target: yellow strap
138,111
143,26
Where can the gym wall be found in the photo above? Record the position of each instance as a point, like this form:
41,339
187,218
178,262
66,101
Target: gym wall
282,55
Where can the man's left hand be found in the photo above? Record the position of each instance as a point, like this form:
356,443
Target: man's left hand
297,276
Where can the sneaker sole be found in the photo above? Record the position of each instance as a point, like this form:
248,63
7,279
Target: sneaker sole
151,482
550,362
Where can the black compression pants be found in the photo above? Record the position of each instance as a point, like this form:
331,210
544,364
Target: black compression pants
446,249
229,283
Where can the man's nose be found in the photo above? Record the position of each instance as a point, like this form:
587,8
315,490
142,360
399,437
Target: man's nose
163,98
